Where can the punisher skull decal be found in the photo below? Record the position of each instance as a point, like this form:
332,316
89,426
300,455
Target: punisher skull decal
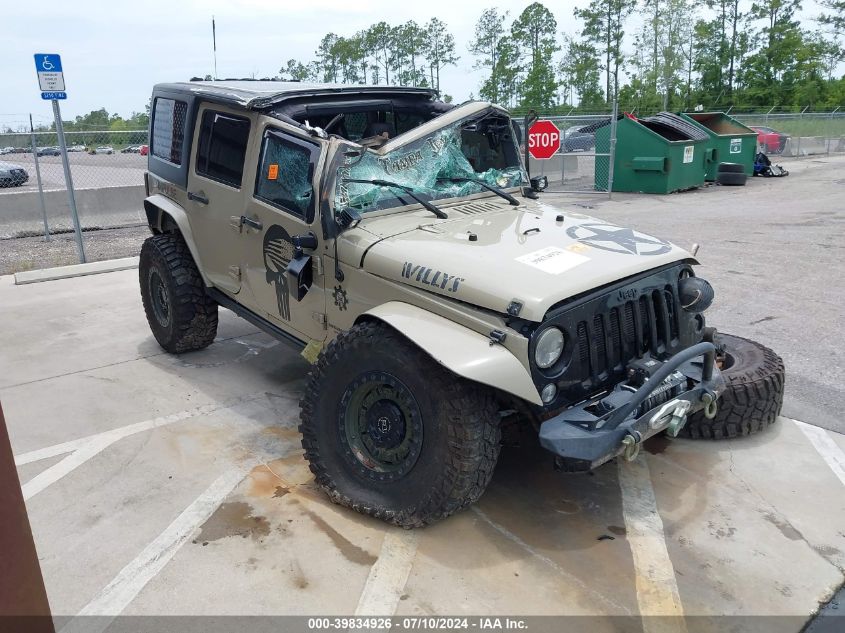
278,252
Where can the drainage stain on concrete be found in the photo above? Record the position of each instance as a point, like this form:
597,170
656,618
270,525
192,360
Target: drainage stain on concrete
657,444
352,552
298,575
786,529
721,531
233,519
567,507
282,432
827,550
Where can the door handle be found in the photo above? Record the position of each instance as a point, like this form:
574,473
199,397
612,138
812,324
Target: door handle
197,197
255,224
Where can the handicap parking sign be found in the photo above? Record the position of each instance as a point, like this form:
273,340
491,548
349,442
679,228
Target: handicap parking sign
51,79
48,63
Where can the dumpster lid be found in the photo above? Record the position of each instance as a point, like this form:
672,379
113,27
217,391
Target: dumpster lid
719,123
673,128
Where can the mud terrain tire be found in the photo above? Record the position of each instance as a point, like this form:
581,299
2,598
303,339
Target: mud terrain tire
181,315
754,394
389,432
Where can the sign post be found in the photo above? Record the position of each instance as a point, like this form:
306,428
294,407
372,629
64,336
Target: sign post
51,80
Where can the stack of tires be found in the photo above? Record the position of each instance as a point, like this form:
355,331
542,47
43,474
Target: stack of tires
731,174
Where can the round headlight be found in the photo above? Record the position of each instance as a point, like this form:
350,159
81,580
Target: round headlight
549,347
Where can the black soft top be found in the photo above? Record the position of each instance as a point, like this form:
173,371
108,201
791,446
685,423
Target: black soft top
261,95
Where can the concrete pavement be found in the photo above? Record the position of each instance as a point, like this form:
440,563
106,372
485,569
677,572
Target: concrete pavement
159,484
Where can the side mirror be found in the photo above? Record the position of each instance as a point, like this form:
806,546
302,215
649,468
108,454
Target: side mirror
300,271
300,274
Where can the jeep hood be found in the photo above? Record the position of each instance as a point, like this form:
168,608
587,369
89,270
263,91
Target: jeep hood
489,255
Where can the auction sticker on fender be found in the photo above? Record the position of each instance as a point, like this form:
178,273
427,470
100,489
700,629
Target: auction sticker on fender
553,260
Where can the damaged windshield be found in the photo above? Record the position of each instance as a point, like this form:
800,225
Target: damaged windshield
454,161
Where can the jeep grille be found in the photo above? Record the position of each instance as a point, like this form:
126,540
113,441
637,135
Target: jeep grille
607,329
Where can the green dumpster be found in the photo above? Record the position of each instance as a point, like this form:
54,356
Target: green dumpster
657,154
730,141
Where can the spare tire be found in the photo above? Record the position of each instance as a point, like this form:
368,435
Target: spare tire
731,179
734,168
754,394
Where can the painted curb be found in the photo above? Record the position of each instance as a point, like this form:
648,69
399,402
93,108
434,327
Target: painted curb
77,270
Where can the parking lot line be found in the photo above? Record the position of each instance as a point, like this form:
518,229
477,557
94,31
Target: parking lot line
83,449
825,446
129,582
388,575
615,607
656,585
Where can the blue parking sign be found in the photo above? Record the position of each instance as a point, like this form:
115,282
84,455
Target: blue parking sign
48,63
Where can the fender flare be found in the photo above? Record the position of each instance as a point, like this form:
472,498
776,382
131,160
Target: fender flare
459,349
161,211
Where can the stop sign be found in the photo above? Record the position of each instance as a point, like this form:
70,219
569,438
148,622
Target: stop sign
543,140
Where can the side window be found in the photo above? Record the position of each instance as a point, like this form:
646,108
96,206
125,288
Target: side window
222,147
169,129
285,174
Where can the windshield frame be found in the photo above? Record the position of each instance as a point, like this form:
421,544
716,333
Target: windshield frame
465,112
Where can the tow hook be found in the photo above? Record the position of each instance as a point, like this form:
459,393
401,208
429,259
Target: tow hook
631,442
711,406
676,412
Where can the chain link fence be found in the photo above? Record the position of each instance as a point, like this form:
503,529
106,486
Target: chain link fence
576,167
797,134
36,229
108,178
579,168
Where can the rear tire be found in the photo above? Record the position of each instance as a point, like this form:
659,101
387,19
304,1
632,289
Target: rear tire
389,432
181,315
753,397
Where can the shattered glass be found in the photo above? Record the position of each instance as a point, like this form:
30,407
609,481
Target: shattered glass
456,151
285,178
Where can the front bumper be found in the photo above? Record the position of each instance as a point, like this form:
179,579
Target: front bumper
583,440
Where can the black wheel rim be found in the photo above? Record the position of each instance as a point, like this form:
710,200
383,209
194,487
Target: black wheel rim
380,427
159,299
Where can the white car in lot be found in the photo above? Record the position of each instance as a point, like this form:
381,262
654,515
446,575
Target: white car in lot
103,149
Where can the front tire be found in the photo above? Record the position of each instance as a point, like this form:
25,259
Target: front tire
181,315
389,432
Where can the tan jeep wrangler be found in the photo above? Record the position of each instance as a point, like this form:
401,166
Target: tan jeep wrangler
398,242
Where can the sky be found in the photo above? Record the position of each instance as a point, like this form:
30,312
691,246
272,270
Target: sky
114,51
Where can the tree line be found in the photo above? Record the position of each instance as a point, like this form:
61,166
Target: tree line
408,54
717,53
96,120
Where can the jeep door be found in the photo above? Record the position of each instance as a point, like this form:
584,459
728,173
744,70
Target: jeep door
283,204
215,183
